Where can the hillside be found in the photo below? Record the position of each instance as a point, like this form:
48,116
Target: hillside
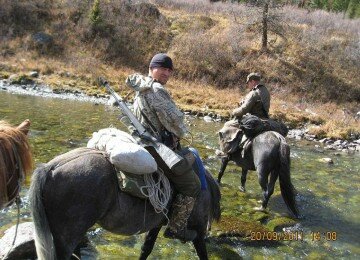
311,66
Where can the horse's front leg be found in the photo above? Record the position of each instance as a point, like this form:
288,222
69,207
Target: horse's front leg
224,163
148,245
243,179
200,247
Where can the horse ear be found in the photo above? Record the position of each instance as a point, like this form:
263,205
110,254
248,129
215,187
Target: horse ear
24,126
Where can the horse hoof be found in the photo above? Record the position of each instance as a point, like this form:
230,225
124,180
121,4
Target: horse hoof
242,189
259,209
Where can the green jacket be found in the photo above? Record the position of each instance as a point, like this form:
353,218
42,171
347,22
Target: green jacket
256,102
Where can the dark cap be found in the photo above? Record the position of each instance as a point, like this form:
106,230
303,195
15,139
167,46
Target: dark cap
161,60
253,76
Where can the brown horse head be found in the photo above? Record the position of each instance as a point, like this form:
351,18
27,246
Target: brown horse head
15,160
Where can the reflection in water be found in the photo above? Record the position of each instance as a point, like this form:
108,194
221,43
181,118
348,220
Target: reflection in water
328,194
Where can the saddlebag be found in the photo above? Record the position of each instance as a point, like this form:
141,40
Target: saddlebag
133,184
253,126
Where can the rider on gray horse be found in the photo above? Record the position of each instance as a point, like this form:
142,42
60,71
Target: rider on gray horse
256,102
158,113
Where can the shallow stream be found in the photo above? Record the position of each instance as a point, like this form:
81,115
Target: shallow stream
328,197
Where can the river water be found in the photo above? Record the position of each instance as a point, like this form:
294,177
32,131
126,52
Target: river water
328,197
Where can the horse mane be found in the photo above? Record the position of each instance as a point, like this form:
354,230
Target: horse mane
14,154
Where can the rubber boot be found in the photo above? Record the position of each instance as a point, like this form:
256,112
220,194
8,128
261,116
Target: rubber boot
177,228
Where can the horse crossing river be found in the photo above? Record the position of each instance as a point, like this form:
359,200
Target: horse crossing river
328,197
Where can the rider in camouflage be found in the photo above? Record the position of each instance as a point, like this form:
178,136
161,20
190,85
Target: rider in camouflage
158,113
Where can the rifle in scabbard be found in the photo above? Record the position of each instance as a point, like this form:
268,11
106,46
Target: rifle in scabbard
169,156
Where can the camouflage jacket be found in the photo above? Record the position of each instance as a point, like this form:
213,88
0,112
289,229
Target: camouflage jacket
154,107
255,102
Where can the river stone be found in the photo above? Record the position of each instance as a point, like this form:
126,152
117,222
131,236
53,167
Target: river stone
338,142
329,141
278,224
327,160
208,119
296,133
298,137
34,74
24,247
329,147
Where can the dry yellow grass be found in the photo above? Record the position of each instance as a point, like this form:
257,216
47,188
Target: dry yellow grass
213,50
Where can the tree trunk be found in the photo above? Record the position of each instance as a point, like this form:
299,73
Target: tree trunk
265,25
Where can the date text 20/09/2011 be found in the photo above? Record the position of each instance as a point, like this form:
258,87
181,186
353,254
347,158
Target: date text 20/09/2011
292,236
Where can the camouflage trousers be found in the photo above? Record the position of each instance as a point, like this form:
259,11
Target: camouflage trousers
181,210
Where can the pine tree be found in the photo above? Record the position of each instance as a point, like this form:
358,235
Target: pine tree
95,13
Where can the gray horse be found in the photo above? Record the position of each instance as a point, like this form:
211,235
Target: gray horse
269,154
72,192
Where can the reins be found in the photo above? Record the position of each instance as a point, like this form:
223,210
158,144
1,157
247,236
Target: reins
17,202
19,168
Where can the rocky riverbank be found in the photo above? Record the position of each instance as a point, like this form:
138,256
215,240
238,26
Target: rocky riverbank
28,87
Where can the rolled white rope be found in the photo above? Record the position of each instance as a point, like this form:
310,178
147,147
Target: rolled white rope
158,192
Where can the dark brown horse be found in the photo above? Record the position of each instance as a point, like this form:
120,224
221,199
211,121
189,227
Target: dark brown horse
75,190
15,160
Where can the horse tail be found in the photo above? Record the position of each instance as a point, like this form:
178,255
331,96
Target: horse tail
287,189
44,244
215,196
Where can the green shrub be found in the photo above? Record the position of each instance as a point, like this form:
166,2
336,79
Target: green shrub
95,14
